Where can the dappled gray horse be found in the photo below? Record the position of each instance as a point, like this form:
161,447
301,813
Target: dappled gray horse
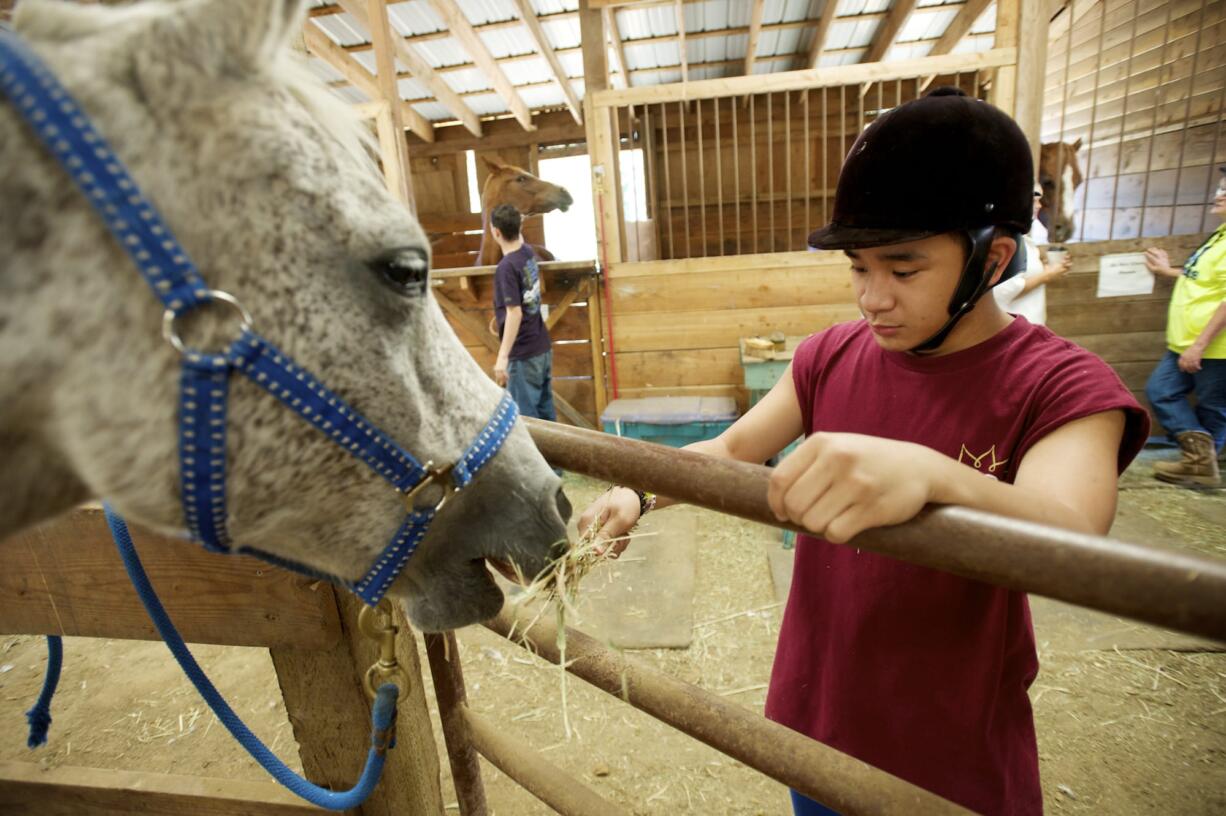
267,181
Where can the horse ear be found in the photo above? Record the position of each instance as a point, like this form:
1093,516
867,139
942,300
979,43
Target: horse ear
494,165
1075,146
214,39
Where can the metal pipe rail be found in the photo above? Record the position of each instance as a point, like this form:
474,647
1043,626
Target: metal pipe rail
1177,590
816,770
553,786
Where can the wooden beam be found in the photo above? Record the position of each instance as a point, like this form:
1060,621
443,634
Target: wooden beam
51,788
555,313
528,15
65,577
571,412
809,78
685,71
1031,65
552,127
389,122
470,324
619,47
1004,90
463,31
322,46
755,30
422,72
887,30
971,11
330,715
819,36
600,130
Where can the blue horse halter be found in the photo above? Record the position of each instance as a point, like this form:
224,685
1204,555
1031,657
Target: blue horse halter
65,130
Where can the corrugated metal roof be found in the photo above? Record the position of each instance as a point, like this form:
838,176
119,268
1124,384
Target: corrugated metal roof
846,42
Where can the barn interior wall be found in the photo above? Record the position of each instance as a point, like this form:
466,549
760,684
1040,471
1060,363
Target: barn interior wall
1140,83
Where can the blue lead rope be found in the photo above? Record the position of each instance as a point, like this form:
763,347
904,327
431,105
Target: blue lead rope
382,715
40,715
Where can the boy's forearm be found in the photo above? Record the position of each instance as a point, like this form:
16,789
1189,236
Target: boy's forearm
956,483
510,331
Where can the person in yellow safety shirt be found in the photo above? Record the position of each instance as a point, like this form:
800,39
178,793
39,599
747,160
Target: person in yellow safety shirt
1195,360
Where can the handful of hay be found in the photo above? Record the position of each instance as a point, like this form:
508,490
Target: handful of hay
558,585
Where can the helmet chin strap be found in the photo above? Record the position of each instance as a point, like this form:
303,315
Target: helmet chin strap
971,286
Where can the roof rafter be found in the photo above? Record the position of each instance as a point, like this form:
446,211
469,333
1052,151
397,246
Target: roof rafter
819,36
423,72
685,69
887,30
959,26
528,14
322,46
619,46
755,30
463,31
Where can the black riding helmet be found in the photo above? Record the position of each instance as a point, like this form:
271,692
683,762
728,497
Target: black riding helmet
942,163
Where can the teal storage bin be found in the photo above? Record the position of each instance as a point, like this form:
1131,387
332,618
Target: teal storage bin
675,421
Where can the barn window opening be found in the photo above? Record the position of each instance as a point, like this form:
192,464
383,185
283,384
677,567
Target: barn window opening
570,235
474,193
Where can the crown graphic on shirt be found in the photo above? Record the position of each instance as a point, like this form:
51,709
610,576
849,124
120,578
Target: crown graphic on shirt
966,457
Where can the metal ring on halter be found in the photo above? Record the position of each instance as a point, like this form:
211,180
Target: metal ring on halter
168,318
441,476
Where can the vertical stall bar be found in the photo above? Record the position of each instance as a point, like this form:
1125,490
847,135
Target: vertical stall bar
444,656
1187,109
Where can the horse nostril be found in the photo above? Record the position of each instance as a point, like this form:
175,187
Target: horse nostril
564,508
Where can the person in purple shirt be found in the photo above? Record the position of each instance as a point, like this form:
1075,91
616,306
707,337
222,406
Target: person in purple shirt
525,356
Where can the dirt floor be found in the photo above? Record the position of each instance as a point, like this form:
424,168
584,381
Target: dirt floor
1131,720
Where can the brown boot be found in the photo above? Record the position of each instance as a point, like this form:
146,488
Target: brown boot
1197,465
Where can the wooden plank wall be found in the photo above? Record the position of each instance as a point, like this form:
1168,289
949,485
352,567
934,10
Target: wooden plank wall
755,174
1144,93
676,323
572,343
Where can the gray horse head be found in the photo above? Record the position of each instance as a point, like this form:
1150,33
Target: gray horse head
268,183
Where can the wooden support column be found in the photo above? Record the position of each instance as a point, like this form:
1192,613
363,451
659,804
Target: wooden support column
596,333
330,715
606,207
390,123
600,134
1004,87
1031,67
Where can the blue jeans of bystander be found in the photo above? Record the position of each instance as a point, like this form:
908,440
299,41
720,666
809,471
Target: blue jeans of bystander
1168,390
530,382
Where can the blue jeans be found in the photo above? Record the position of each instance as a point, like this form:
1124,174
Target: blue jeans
530,382
1168,390
804,806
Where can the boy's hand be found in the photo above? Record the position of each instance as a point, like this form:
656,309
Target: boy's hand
500,370
614,514
838,484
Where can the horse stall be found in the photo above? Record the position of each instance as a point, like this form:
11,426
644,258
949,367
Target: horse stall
739,116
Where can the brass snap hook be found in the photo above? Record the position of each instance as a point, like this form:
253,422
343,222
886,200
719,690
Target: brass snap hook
376,623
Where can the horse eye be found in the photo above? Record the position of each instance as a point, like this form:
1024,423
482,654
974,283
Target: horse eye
405,270
522,179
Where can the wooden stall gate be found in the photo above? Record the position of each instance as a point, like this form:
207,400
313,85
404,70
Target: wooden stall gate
66,578
572,294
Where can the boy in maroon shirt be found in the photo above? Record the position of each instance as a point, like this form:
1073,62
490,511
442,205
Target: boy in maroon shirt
922,673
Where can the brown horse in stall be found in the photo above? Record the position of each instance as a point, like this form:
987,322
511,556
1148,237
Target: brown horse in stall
508,184
1060,176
